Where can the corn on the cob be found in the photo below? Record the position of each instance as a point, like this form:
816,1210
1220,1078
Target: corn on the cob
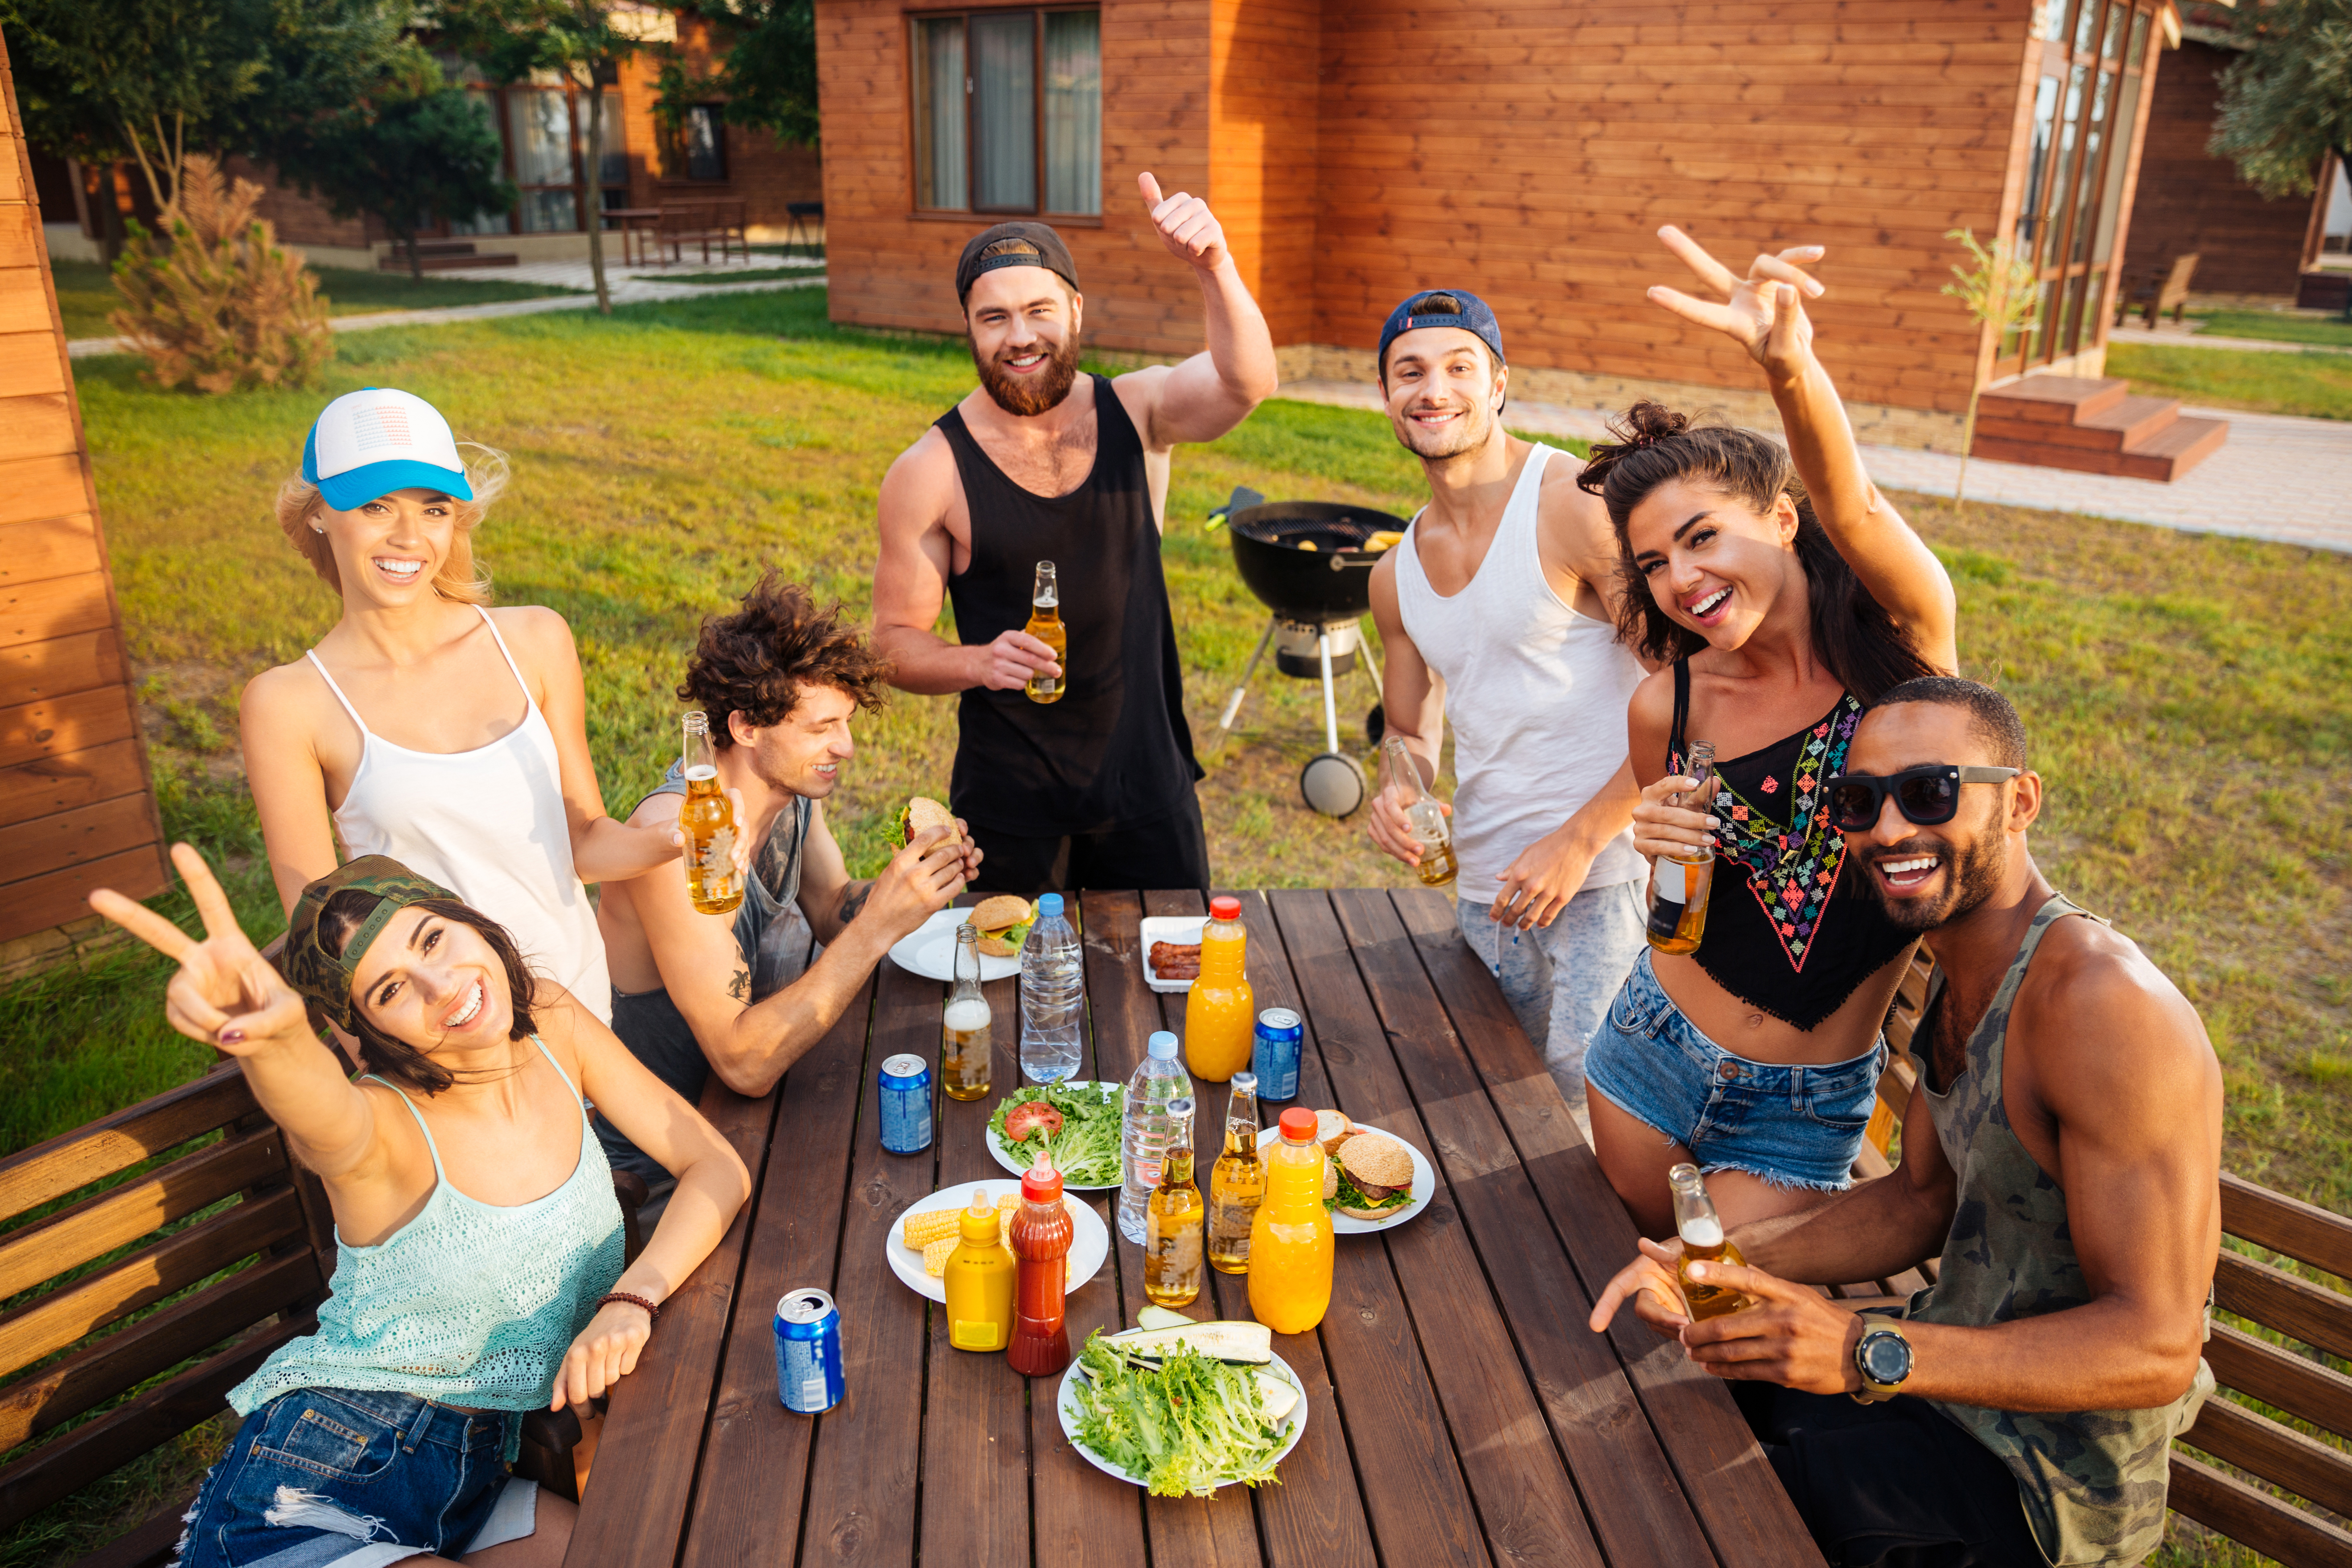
936,1255
922,1229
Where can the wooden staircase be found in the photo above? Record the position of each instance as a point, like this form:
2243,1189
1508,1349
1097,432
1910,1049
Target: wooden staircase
2095,427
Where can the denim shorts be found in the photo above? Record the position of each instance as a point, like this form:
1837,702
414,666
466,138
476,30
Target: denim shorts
333,1475
1791,1126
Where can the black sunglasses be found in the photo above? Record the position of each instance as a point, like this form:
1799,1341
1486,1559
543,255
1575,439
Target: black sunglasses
1926,796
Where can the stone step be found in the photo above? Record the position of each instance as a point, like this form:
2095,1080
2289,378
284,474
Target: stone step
449,261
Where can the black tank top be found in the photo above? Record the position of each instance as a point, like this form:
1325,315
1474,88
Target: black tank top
1115,751
1787,931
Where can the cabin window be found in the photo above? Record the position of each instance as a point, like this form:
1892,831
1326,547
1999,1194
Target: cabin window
1008,112
694,148
539,125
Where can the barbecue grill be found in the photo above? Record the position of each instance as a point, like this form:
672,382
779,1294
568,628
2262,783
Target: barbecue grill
1307,562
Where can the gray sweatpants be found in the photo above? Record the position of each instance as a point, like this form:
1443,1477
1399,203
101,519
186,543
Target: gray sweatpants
1560,981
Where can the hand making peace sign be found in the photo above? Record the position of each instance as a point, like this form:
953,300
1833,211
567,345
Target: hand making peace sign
1766,315
226,993
1187,227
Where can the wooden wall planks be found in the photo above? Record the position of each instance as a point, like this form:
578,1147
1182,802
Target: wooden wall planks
75,808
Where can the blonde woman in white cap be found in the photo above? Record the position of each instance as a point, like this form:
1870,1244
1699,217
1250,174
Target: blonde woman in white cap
426,725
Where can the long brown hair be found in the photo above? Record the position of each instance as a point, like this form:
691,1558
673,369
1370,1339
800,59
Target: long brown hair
396,1059
1852,632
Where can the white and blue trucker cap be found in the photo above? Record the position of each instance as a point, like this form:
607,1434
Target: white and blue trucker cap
375,441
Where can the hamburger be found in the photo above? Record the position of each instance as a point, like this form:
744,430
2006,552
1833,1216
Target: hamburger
920,816
1004,923
1370,1178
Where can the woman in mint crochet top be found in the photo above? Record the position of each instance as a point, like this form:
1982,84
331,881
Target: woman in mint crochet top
478,1270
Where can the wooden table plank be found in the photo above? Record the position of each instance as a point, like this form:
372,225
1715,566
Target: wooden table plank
1738,1498
747,1507
1630,1490
634,1511
863,1483
1527,1502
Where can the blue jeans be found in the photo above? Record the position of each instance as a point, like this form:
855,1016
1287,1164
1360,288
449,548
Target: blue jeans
1559,980
1792,1126
333,1475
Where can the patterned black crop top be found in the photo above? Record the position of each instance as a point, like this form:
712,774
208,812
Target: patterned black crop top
1786,932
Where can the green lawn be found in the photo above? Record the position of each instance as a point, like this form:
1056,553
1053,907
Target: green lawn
743,275
2190,696
85,293
2277,326
2318,386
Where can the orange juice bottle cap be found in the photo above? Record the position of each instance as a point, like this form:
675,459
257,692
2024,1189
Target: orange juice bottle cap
1298,1125
1227,908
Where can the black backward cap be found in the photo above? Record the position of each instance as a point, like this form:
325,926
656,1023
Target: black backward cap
325,977
1036,244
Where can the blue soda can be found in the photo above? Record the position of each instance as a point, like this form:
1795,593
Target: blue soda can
808,1352
905,1104
1273,1056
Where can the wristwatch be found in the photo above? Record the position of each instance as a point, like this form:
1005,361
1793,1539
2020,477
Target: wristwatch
1883,1356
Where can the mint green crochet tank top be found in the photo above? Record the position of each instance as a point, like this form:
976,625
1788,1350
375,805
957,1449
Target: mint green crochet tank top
469,1303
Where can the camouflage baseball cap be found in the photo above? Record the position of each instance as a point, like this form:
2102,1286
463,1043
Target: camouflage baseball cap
324,978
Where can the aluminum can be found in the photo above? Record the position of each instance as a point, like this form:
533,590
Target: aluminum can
1273,1054
906,1081
808,1351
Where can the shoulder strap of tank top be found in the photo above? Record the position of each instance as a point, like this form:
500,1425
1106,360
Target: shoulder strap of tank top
1674,746
2057,906
430,1147
320,666
1112,426
577,1098
512,667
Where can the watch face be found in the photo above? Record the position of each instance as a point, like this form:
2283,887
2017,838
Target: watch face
1885,1357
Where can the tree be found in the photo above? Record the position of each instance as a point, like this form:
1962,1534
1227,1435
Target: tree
768,74
509,39
2288,99
416,151
1999,292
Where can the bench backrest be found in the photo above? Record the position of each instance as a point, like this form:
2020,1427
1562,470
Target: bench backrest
2176,282
112,1255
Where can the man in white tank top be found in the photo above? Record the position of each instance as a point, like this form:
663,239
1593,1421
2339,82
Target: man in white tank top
1497,613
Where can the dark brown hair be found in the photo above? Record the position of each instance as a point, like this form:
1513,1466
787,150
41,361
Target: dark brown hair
1855,635
755,661
397,1060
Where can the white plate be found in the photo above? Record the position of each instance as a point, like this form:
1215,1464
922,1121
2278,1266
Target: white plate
1425,1186
1012,1162
1090,1246
1184,929
929,951
1065,1405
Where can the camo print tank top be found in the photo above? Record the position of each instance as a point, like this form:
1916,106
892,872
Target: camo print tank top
2093,1482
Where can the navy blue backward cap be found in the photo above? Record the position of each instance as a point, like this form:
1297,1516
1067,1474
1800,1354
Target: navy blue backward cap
1473,317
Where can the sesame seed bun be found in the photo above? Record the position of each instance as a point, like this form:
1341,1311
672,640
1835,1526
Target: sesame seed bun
923,814
1372,1157
1331,1127
1330,1181
1002,913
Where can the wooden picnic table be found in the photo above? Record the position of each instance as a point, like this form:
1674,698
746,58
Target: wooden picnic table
1459,1411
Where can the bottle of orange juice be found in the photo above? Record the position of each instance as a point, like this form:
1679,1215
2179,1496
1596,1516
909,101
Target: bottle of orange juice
1290,1239
1219,1015
979,1281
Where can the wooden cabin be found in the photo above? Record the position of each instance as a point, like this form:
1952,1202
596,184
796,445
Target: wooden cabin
1359,150
76,812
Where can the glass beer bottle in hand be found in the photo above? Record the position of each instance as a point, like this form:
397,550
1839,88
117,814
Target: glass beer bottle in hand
1678,888
965,1037
1701,1229
707,819
1046,625
1420,807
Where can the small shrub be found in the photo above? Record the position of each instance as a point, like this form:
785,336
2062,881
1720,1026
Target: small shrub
213,302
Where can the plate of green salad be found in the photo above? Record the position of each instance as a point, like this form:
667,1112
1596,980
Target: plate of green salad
1183,1410
1076,1123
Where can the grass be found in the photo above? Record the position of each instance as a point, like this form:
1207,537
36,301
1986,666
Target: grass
2190,696
85,293
2277,326
2317,386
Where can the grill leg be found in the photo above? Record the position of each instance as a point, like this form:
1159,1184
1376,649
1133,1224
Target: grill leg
1234,703
1372,665
1330,710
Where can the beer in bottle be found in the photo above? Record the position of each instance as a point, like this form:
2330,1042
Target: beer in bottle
707,821
1237,1182
1428,824
1046,625
965,1041
1173,1222
1703,1242
1678,888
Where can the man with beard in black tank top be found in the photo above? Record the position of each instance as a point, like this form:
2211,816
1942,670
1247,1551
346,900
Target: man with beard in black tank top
1040,463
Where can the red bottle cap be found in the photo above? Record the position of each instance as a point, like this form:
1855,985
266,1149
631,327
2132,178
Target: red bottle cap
1227,908
1299,1123
1041,1183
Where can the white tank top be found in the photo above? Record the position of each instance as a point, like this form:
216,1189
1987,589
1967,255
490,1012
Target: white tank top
488,823
1536,692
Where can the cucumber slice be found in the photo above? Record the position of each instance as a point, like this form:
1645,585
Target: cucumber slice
1161,1318
1278,1395
1243,1344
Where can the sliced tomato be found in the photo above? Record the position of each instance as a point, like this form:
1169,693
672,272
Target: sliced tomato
1023,1120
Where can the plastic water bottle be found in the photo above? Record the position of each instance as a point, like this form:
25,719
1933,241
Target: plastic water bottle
1053,993
1144,1126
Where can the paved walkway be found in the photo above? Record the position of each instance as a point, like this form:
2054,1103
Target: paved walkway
2276,477
632,281
633,289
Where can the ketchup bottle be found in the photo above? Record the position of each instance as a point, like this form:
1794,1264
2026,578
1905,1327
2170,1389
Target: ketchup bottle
1042,1233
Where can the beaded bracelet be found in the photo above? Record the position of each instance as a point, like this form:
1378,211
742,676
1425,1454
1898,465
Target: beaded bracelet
652,1310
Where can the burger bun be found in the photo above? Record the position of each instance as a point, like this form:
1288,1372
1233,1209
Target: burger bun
1331,1128
923,814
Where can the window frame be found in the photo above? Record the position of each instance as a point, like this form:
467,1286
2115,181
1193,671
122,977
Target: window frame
676,162
912,21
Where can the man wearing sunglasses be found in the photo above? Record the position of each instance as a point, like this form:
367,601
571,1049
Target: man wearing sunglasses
2062,1159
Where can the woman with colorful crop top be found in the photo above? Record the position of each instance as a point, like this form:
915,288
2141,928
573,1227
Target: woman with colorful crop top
1782,594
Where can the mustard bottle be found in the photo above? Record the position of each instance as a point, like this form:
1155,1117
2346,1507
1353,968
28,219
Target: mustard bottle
979,1280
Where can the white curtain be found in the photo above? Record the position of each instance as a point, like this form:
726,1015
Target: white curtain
1004,112
1073,111
940,105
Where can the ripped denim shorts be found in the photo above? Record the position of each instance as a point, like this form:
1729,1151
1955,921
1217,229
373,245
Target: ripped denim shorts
357,1478
1792,1126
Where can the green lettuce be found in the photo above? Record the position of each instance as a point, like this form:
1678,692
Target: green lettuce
1184,1430
1087,1150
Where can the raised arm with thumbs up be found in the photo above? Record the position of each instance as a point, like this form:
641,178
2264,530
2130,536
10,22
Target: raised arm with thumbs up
1209,393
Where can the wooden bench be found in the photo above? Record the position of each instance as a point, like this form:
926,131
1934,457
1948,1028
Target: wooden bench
2161,293
262,1235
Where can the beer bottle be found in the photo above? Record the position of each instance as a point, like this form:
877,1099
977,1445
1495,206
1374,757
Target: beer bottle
1703,1242
707,821
1174,1220
1678,888
1237,1182
1046,625
965,1042
1428,824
